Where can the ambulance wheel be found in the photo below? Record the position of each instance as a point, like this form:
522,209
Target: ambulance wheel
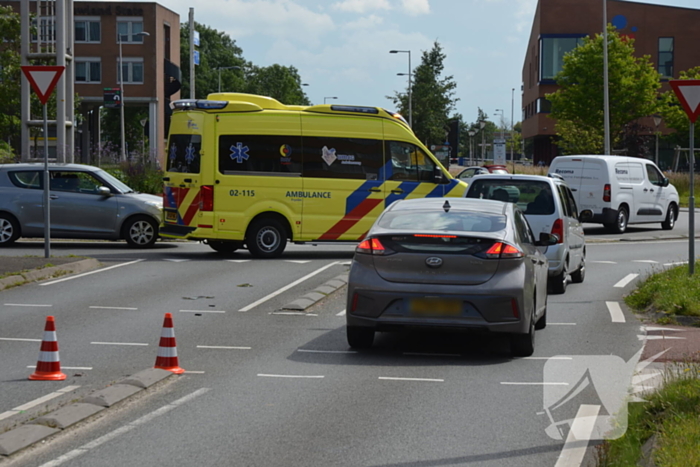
266,238
224,247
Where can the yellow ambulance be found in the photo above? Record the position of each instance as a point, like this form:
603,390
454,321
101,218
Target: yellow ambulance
246,170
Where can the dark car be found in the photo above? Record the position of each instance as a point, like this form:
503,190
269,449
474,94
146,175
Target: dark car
465,264
85,201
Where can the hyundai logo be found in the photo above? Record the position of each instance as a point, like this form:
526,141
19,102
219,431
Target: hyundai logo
434,262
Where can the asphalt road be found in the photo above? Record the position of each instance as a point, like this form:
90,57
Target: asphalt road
271,389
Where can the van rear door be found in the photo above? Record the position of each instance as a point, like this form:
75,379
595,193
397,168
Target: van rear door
590,190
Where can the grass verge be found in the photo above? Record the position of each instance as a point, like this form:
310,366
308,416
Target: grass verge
665,431
672,292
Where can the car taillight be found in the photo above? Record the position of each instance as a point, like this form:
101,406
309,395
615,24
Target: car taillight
606,193
558,230
371,246
354,302
502,250
514,306
206,198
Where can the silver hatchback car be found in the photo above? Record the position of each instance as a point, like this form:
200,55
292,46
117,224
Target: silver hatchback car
451,264
549,206
86,202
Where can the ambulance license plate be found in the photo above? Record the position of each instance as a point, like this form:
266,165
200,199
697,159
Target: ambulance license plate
171,216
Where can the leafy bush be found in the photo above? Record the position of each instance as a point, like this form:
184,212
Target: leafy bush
140,176
6,154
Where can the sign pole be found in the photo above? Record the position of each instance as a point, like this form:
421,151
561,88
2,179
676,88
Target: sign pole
47,199
691,204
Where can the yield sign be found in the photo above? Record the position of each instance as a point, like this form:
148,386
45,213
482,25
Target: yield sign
43,79
688,93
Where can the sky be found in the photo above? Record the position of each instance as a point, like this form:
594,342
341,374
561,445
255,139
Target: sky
341,47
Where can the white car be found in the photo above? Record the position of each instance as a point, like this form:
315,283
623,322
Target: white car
549,207
618,190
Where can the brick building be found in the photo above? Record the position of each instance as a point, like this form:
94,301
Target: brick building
669,35
149,35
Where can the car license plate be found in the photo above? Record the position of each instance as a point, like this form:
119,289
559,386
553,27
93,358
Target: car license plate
435,307
171,216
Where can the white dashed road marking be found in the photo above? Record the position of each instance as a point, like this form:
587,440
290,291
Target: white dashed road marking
117,343
292,313
626,280
223,347
561,324
342,313
650,261
290,376
68,367
19,339
326,351
176,260
420,354
658,338
603,262
28,304
547,358
238,260
429,380
296,261
113,308
615,312
202,311
91,272
533,383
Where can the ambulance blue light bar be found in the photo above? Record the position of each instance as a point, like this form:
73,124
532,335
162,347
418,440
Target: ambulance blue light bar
356,109
191,104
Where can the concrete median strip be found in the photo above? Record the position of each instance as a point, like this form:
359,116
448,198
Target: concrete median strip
19,438
47,273
318,294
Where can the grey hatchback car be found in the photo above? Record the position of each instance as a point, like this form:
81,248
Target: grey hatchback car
86,202
450,264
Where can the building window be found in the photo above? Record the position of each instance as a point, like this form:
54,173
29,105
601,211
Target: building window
88,70
128,30
132,68
552,51
87,30
44,29
666,57
544,106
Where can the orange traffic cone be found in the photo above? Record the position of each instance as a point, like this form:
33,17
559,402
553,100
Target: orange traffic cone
167,350
48,368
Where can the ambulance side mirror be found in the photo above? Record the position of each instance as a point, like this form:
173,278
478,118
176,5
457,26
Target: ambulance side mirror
438,176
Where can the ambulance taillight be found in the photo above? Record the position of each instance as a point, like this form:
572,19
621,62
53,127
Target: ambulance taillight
206,198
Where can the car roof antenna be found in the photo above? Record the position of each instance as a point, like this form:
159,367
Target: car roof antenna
446,206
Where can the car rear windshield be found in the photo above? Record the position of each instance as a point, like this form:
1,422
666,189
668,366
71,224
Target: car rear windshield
454,221
499,171
532,196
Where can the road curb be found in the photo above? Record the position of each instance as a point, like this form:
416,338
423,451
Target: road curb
318,294
47,273
37,430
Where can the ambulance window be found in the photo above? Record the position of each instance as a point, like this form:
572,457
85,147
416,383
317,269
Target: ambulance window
409,162
260,154
349,158
184,153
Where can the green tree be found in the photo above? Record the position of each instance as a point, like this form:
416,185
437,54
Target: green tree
216,50
577,106
432,97
280,82
10,75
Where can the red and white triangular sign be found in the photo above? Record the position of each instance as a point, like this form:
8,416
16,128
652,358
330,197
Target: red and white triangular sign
43,79
688,93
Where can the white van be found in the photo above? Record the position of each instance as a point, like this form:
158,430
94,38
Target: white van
617,190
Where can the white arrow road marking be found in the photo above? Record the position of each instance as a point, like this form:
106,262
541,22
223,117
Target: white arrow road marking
656,328
626,280
578,437
658,338
615,312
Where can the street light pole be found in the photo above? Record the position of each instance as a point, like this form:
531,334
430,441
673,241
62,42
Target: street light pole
410,85
121,85
512,127
657,122
325,98
606,95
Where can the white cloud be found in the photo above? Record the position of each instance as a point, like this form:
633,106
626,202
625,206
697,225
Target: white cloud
362,6
416,7
366,22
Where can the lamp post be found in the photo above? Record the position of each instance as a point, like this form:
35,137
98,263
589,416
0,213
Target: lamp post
657,122
512,127
471,147
121,85
410,81
326,98
226,68
606,95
